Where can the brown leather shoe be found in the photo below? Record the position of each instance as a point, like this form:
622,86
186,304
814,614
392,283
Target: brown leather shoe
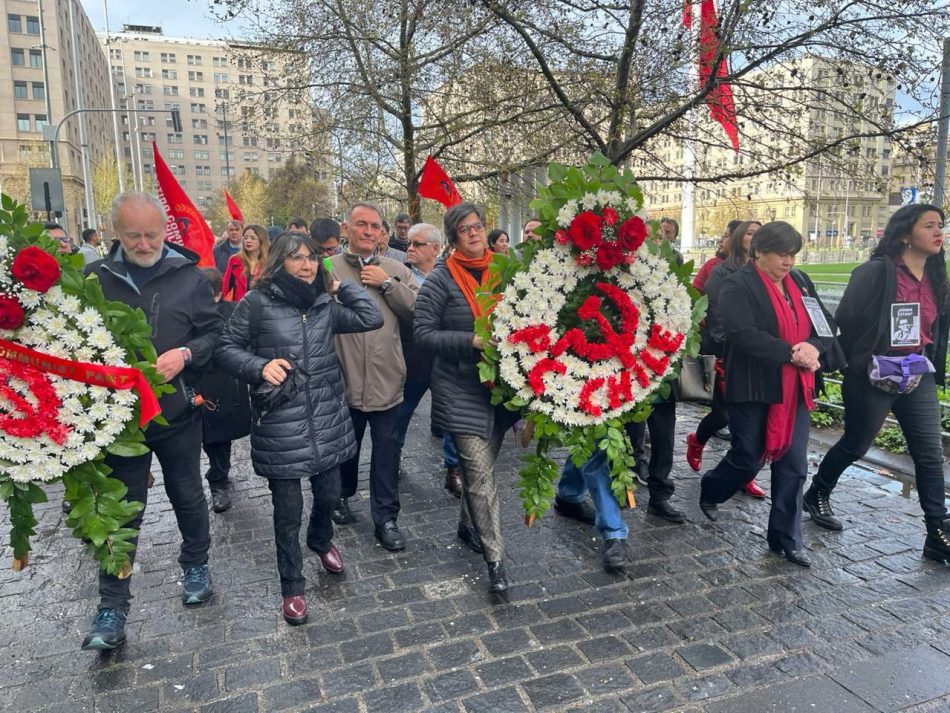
453,480
332,560
295,610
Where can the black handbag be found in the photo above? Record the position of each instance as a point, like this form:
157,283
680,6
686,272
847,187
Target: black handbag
266,397
697,379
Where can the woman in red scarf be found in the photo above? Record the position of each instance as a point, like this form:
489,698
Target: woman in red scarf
773,350
444,322
245,267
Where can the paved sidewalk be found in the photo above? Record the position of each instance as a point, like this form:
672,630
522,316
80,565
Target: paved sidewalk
704,620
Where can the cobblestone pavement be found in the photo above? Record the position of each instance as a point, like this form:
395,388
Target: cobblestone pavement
704,619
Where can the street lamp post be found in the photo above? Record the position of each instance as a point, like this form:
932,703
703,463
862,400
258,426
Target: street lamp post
227,147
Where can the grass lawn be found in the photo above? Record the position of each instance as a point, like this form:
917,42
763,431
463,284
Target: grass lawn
829,272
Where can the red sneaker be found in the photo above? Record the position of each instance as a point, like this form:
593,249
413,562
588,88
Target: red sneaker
694,452
752,489
295,610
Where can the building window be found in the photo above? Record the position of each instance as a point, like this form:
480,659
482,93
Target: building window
32,25
198,108
145,72
202,155
115,53
169,74
194,60
175,139
176,153
219,61
225,155
199,123
249,141
168,58
22,122
39,91
225,141
19,90
196,76
18,57
141,56
196,92
172,105
36,59
245,79
222,94
227,171
145,104
251,156
220,78
14,23
201,139
170,90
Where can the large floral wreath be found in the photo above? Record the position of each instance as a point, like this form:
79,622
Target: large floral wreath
590,323
76,382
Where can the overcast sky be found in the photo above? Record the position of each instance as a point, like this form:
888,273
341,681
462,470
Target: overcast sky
178,18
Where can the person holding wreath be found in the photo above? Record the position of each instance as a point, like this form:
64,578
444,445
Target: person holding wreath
446,310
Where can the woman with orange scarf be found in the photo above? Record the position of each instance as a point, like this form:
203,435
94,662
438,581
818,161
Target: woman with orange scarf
245,267
444,322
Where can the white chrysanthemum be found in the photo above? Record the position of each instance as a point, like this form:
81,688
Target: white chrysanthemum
89,319
566,214
101,339
30,298
589,201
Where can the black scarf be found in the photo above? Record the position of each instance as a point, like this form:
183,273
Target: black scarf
296,292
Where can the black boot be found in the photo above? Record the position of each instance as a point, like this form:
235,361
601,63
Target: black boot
662,508
818,504
615,554
341,513
582,511
221,497
497,580
937,544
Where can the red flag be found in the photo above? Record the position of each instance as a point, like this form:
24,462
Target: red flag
233,208
185,226
722,108
436,184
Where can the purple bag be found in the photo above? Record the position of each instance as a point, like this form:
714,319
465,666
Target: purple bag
898,375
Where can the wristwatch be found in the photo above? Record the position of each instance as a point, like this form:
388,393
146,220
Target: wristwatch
386,285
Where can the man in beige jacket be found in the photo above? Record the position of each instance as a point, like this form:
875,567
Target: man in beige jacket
374,370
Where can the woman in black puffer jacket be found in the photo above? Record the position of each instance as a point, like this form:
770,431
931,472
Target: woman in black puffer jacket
287,323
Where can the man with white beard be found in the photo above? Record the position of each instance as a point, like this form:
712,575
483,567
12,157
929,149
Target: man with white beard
163,280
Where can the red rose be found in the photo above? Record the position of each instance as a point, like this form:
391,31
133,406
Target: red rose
609,255
35,268
585,230
11,312
610,216
632,233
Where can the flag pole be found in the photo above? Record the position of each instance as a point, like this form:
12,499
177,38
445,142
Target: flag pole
688,207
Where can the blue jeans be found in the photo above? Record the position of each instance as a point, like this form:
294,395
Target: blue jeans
594,476
450,452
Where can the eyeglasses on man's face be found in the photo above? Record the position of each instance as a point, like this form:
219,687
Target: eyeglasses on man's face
419,245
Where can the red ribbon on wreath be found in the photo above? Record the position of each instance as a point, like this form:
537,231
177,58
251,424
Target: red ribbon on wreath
113,377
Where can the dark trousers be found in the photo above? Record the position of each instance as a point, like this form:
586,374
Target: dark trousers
918,414
219,464
743,461
412,394
287,497
178,451
717,418
383,469
662,425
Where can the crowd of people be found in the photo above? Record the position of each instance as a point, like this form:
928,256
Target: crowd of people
303,338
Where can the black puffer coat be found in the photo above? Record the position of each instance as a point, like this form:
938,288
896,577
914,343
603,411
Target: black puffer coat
443,323
312,432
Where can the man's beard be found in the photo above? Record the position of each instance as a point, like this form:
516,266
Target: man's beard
144,262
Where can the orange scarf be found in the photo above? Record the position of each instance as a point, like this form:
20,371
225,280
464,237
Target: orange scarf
459,267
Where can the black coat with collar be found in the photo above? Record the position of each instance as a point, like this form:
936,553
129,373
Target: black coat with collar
179,305
754,352
312,432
